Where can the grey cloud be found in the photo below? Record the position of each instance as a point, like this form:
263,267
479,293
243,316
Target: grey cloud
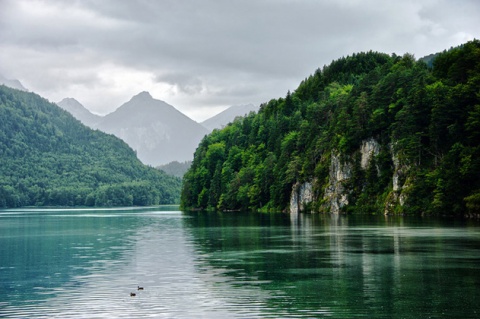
211,51
185,82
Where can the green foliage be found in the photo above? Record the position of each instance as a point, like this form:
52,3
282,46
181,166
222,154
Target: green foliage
425,119
50,158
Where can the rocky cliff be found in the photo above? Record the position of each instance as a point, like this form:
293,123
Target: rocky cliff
334,197
301,197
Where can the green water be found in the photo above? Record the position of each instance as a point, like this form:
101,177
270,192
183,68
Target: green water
85,263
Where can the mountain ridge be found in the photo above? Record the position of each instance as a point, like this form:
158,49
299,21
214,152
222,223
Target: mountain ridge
80,112
49,158
221,119
157,131
12,83
151,126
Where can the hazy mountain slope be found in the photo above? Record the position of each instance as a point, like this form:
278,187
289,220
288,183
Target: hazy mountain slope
47,157
228,115
154,129
79,112
175,168
14,84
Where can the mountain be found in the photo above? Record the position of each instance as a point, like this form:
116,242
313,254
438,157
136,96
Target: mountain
175,168
157,131
429,59
79,112
14,84
370,133
49,158
228,115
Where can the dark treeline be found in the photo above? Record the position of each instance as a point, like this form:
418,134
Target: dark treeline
48,158
426,121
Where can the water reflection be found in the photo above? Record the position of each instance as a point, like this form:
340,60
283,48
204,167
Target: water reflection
97,259
85,263
348,266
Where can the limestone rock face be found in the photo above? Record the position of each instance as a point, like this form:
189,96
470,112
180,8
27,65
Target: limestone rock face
369,149
302,195
336,194
400,184
336,190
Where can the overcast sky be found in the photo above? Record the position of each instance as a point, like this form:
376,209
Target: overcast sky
203,55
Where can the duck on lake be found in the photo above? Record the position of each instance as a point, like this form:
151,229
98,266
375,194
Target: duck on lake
132,294
139,288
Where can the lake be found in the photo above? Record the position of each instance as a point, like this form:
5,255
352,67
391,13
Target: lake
78,263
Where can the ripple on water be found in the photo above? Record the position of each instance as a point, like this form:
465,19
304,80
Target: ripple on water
76,266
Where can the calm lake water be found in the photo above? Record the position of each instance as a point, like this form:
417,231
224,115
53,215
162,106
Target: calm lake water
85,263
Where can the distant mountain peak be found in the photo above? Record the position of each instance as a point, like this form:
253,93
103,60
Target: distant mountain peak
156,130
12,83
79,111
142,96
71,102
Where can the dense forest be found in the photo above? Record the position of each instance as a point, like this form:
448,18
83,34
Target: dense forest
369,133
48,158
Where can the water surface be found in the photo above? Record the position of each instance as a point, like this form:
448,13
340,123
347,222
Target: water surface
85,263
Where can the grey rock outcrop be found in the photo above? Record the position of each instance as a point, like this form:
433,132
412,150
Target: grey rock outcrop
400,184
368,150
336,194
337,190
302,195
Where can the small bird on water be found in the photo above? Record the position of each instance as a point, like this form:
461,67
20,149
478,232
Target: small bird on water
139,288
132,294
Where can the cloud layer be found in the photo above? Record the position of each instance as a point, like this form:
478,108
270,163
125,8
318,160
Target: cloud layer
202,56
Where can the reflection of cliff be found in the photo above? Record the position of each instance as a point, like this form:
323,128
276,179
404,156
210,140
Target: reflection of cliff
333,265
278,257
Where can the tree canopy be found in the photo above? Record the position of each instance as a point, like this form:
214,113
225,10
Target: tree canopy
425,119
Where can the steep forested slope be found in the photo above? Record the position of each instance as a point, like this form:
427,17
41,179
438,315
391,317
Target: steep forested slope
49,158
369,133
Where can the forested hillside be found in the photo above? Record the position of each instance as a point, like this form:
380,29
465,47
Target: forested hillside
369,133
49,158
